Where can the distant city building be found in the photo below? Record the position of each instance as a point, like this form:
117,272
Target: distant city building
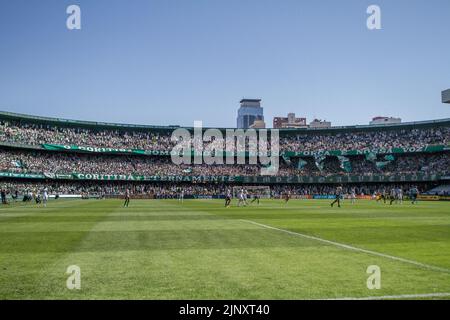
249,112
385,120
289,122
446,96
258,124
316,123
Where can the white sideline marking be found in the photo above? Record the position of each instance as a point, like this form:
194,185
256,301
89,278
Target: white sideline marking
346,246
401,296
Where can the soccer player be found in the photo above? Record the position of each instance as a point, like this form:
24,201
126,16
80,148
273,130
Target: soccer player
45,197
337,194
37,198
181,195
393,195
245,196
413,192
255,198
15,195
400,195
353,196
378,196
3,195
242,198
228,198
383,195
287,196
127,198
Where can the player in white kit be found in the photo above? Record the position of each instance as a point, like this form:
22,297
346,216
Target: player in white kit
242,199
353,196
45,197
181,196
400,195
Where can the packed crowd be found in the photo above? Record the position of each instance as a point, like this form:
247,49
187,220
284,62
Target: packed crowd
38,134
65,163
25,161
411,138
438,163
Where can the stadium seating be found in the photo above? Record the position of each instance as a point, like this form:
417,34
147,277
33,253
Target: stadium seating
101,158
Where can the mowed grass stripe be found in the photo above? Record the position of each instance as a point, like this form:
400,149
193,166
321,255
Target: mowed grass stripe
23,264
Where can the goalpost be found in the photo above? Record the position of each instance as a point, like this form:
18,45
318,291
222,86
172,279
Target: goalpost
262,191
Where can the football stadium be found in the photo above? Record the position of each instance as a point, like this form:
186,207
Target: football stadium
224,159
65,184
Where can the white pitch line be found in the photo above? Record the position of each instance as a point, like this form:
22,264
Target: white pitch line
346,246
401,296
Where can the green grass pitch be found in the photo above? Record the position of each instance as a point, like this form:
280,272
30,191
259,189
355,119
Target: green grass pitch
162,249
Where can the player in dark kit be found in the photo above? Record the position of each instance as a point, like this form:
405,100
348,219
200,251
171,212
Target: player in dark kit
413,192
228,198
338,197
3,192
15,195
287,196
382,196
393,196
255,198
127,198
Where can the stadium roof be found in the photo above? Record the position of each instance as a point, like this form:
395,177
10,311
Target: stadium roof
250,100
122,126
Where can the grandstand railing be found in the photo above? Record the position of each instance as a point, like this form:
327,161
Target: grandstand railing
123,126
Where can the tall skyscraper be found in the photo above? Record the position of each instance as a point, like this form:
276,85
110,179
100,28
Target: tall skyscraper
446,96
249,112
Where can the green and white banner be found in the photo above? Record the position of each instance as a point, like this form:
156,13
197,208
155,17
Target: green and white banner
226,179
22,175
369,153
386,160
319,159
285,155
301,164
59,147
345,164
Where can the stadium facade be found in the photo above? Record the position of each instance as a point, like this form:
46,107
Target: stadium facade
92,158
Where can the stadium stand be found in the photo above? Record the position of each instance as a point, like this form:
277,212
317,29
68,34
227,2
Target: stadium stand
92,158
443,190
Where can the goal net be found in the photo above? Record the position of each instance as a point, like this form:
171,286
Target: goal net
262,191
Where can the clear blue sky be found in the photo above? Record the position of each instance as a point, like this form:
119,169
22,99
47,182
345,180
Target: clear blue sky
176,61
